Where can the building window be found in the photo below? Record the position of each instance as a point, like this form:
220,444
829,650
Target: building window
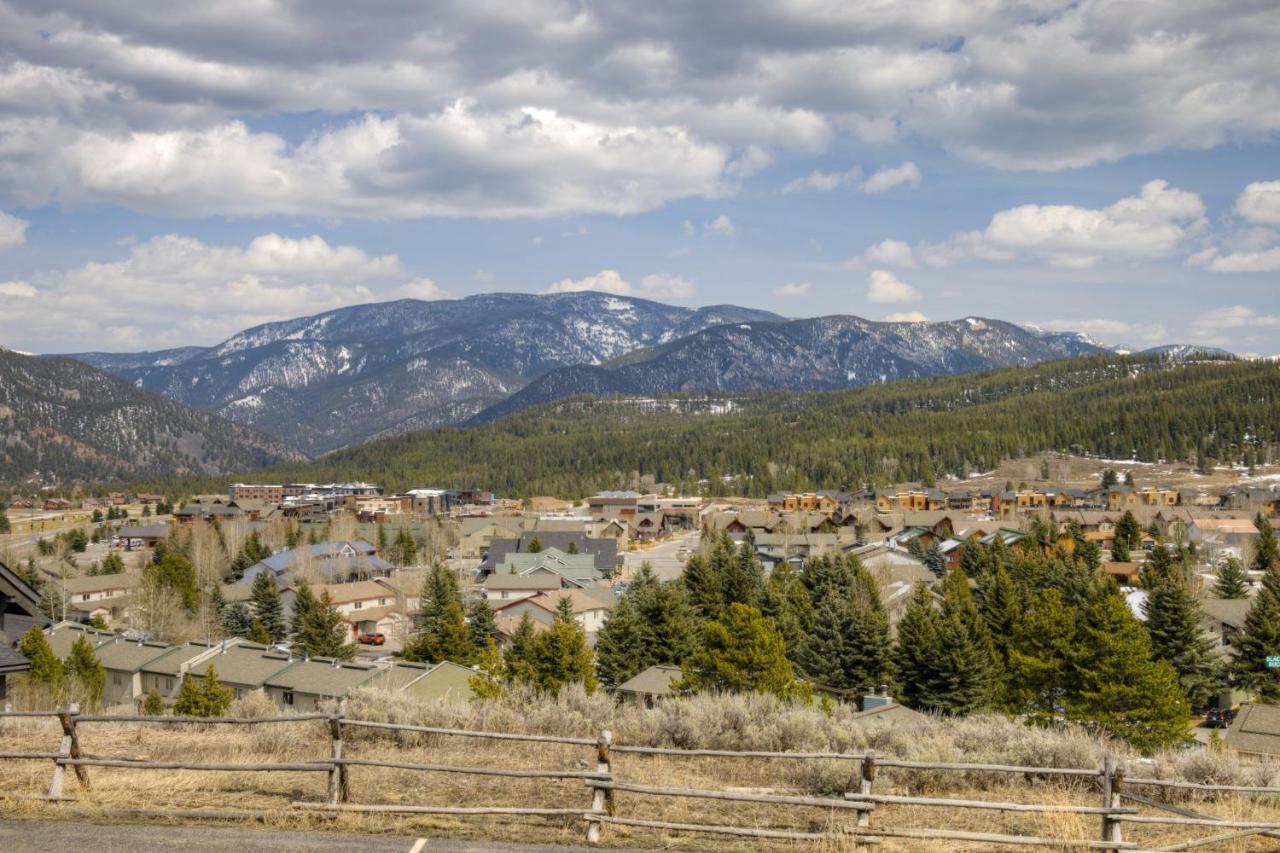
382,602
288,698
168,684
85,597
357,605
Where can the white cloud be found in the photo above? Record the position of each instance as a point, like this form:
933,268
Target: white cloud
421,288
1267,260
13,231
174,290
1113,331
17,289
887,178
793,288
893,253
605,281
883,286
1152,224
819,181
666,286
721,226
652,286
1260,202
906,317
1235,317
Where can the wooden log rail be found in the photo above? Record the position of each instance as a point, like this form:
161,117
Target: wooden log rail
860,798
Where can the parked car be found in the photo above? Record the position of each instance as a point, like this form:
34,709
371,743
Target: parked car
1219,719
370,639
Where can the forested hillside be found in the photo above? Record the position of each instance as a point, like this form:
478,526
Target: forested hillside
1117,407
62,421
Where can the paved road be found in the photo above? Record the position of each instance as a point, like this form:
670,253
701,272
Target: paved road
664,557
16,835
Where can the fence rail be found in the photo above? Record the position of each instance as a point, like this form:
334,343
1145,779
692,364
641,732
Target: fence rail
860,801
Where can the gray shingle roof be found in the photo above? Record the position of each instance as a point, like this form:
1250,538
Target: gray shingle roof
1256,729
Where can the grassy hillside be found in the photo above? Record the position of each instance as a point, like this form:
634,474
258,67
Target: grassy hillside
755,443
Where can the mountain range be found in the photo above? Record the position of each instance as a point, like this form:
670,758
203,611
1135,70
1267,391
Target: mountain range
63,420
371,371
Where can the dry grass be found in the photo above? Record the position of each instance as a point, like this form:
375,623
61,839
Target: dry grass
714,722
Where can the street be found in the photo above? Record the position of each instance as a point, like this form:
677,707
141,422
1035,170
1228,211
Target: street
664,557
53,835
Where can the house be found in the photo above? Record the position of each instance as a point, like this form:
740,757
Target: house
602,553
123,660
441,682
1126,574
100,595
508,587
334,562
307,683
606,505
1121,498
476,535
1220,537
647,687
367,607
805,502
131,536
590,607
243,666
164,674
1255,730
1223,618
19,606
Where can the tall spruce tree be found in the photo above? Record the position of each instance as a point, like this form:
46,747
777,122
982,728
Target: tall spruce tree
1232,581
1119,687
742,652
704,584
304,604
969,667
786,600
1128,532
651,624
1040,676
1259,640
1173,621
325,634
520,660
483,627
236,619
46,669
264,597
561,654
743,577
83,668
917,652
1266,551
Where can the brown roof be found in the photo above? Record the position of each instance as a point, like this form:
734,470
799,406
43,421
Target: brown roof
1256,729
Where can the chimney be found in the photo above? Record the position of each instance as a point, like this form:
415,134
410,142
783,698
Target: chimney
879,699
223,649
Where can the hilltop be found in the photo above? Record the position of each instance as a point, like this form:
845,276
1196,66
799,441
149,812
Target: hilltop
1139,407
63,421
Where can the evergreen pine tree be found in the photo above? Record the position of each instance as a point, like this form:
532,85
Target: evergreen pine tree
1173,621
1266,551
257,633
1232,581
487,681
46,669
111,565
481,623
620,651
561,654
786,600
519,661
82,667
153,705
918,650
1118,686
1040,676
304,604
190,699
1128,533
236,619
1001,605
535,545
743,578
1259,640
969,669
742,652
934,559
702,582
264,598
439,615
326,632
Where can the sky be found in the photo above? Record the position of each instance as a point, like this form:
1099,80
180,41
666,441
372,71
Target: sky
173,173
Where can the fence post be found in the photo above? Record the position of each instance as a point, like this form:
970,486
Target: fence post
339,787
1111,777
601,798
68,720
867,778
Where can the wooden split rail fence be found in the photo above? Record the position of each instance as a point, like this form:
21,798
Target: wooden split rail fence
859,800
